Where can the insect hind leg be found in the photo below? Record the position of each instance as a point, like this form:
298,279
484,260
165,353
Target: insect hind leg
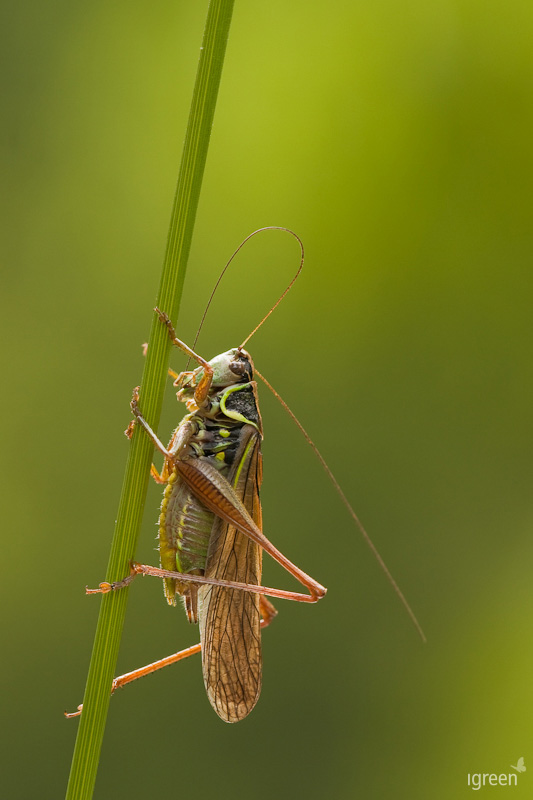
268,612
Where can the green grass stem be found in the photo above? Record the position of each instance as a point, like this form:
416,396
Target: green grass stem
113,606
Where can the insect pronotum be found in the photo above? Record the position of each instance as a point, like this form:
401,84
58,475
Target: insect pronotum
210,531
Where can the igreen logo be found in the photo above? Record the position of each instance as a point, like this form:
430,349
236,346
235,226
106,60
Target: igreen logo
479,779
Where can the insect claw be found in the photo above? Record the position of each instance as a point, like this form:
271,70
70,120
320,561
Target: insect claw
71,714
135,400
162,316
129,430
103,588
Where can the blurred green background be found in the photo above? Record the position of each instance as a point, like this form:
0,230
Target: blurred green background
395,138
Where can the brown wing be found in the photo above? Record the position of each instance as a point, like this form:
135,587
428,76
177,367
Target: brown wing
230,618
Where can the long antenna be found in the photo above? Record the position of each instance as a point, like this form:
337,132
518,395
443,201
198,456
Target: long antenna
346,502
280,298
259,230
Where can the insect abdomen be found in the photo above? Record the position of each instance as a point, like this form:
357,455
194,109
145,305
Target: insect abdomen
185,526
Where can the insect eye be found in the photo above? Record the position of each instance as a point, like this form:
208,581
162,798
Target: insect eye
238,367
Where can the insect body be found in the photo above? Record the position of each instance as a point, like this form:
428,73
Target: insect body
210,535
217,444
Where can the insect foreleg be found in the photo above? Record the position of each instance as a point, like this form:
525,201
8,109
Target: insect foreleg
202,389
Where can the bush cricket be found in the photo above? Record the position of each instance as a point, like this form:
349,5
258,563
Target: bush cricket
210,531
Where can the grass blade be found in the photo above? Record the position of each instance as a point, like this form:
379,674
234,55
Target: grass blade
113,606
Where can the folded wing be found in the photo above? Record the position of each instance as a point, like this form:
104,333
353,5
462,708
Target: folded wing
230,618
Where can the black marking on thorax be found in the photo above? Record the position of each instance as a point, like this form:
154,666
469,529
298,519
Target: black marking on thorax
244,402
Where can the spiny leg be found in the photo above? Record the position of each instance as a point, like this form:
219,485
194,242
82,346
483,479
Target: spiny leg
268,612
218,496
157,572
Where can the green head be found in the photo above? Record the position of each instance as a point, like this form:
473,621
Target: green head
233,366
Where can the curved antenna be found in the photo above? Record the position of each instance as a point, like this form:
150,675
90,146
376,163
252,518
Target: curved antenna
346,502
259,230
280,298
